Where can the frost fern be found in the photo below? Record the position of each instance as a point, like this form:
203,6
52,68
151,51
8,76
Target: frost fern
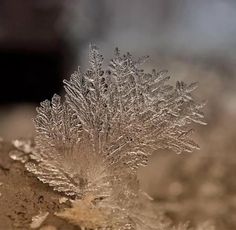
91,143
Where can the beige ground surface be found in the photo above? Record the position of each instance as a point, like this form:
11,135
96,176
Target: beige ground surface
23,196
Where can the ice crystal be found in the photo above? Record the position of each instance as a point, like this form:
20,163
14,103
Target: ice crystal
108,215
22,150
39,219
91,143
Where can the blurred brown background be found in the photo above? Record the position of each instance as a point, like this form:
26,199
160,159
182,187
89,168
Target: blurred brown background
42,42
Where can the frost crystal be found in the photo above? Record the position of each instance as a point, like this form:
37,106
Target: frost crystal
39,219
111,120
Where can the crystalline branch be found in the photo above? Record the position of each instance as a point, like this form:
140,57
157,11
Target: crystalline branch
92,142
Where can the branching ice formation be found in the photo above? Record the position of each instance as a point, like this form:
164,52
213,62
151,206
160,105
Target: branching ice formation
91,143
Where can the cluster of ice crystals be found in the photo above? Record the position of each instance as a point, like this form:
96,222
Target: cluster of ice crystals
92,142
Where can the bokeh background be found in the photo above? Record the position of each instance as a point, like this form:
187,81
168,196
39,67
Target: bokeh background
43,42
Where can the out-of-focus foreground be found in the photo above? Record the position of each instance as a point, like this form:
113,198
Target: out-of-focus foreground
42,42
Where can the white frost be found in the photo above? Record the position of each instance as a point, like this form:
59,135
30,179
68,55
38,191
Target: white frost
38,219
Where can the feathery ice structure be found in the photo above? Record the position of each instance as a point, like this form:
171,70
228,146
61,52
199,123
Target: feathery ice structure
90,144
